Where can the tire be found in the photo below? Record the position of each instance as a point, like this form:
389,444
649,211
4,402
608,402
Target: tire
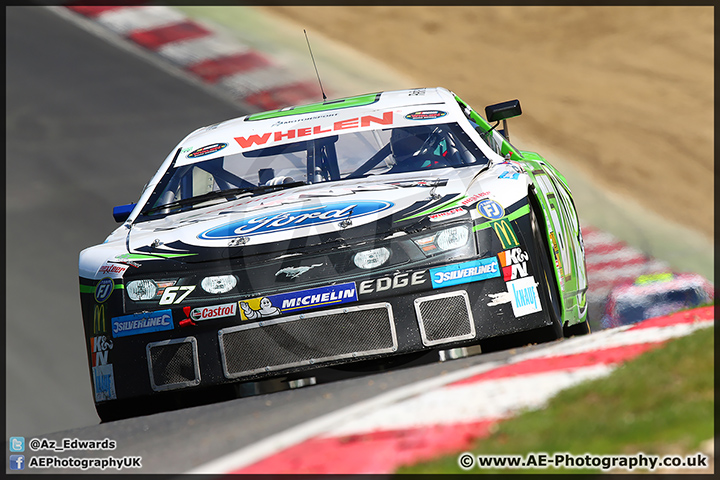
546,275
576,330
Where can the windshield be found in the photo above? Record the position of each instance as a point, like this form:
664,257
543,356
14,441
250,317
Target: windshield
327,159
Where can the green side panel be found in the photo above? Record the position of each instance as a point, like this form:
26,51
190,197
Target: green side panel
534,156
560,217
359,101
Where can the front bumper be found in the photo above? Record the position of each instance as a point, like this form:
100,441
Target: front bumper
385,321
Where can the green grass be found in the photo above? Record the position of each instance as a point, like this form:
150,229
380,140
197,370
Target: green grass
662,399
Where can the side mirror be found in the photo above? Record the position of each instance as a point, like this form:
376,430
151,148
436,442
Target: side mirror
122,212
502,111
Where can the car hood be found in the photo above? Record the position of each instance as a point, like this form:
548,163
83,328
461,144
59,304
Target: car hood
344,212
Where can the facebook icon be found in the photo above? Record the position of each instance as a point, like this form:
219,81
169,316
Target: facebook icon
17,462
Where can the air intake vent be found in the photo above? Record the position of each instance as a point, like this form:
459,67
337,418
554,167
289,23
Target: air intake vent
308,339
445,318
173,364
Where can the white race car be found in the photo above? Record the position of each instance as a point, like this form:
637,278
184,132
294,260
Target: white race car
354,230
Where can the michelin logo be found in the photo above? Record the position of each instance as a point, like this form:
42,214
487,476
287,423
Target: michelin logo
144,322
282,303
466,272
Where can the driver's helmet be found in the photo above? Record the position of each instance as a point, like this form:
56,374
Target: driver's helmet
410,142
419,148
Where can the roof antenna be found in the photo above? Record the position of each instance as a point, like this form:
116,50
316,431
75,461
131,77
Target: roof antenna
314,64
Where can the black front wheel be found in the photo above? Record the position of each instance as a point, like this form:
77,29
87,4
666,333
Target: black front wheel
546,277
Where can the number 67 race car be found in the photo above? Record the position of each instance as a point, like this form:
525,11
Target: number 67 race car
354,231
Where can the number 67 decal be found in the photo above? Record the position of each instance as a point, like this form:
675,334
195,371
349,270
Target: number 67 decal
171,293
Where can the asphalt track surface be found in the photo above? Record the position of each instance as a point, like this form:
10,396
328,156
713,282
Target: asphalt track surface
88,124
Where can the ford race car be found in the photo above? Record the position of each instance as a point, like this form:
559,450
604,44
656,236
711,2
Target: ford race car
364,229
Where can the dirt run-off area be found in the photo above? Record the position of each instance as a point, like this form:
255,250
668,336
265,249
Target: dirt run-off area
624,93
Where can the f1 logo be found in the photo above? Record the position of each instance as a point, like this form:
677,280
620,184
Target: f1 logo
17,462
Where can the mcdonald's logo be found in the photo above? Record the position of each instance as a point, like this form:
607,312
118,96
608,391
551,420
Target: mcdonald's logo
505,233
99,319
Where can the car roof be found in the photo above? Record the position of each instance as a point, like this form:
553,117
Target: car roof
314,120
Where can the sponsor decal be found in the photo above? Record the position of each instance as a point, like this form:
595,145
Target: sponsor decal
282,303
124,259
143,322
104,382
206,150
99,319
299,133
524,296
505,233
465,272
455,212
103,289
397,281
209,313
473,198
303,119
291,219
425,115
99,348
294,272
509,175
513,263
556,255
490,209
113,269
517,166
174,295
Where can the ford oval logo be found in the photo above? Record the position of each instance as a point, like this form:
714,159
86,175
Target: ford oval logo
291,219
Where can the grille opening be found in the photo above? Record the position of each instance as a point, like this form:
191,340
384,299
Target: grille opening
173,364
307,339
445,318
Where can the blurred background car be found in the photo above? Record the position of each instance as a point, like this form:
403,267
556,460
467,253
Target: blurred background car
655,295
